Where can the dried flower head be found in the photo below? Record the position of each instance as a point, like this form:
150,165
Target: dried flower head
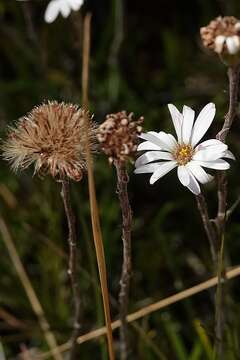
222,35
53,137
118,136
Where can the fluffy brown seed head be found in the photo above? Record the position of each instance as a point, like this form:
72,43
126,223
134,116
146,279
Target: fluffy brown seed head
226,27
118,136
53,137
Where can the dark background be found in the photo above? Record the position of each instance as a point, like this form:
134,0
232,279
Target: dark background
144,55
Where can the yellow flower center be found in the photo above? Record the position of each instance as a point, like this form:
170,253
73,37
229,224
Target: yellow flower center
183,154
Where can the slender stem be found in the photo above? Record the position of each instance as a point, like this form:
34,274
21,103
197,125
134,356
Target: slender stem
221,218
208,226
96,226
122,181
233,208
233,76
72,269
219,315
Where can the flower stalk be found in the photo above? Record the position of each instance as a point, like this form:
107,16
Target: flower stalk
233,76
72,265
122,191
208,226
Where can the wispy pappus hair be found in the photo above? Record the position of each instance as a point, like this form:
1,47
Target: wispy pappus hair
53,137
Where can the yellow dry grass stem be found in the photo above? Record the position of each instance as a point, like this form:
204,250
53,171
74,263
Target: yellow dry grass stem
55,351
147,310
97,234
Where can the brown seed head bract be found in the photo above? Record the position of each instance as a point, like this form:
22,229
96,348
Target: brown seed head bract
222,35
118,136
53,137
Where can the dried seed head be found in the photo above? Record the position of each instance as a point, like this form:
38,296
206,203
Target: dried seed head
53,137
118,136
222,35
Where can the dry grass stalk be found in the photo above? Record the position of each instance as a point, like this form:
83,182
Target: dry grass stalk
149,309
36,306
97,234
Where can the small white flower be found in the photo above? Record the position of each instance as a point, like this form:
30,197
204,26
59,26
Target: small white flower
232,44
164,152
64,7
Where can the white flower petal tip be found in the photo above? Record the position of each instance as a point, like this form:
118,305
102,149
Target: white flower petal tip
203,122
163,169
193,186
177,119
233,44
219,43
183,175
229,155
64,7
147,145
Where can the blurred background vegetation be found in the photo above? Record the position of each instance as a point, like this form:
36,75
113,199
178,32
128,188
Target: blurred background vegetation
144,55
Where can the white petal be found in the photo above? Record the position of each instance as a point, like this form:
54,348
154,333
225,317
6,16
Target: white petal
183,175
168,141
162,170
153,156
147,145
52,11
193,185
229,155
152,137
65,8
75,4
177,119
210,153
149,168
188,118
233,44
199,173
208,143
217,164
203,122
219,42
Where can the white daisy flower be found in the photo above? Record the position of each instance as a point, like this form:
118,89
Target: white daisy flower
64,7
164,152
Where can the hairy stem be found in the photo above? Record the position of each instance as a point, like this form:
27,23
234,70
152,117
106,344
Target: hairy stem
122,181
72,266
208,226
233,76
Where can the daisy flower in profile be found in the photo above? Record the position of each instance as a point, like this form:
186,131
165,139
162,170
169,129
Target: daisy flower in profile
53,137
164,152
63,7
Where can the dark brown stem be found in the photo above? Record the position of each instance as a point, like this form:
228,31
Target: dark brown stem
208,226
221,218
72,269
122,191
233,76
